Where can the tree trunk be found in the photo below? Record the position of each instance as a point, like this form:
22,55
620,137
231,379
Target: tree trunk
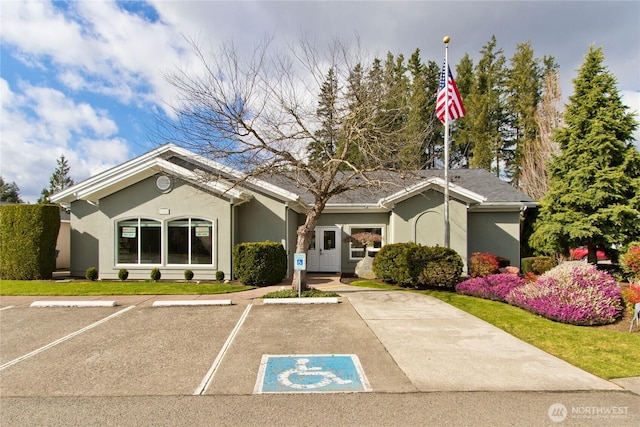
302,242
592,255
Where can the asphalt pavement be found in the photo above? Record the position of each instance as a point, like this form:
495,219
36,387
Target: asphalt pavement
421,361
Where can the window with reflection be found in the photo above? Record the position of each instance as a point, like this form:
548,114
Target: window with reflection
139,241
357,247
190,241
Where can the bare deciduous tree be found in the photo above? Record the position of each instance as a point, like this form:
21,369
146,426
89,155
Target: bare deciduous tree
534,179
259,115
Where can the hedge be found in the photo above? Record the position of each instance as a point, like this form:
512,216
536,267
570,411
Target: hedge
28,238
260,263
413,265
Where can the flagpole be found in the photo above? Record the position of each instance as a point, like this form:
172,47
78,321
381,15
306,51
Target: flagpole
446,143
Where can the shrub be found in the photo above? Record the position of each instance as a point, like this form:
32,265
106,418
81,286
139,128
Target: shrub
28,238
631,262
494,287
219,275
188,275
483,264
155,274
123,273
573,292
391,263
260,263
537,264
631,295
443,267
413,265
91,274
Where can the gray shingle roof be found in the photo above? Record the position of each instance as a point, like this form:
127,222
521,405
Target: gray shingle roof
478,181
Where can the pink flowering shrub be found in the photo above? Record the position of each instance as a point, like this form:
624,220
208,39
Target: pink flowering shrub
494,287
573,292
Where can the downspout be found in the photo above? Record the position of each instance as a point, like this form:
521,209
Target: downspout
232,238
286,237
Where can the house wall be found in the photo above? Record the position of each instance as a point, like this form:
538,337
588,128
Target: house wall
63,246
87,228
93,238
497,233
343,221
420,219
261,219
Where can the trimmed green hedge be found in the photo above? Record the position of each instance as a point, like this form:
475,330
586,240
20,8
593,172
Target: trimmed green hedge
413,265
260,263
28,238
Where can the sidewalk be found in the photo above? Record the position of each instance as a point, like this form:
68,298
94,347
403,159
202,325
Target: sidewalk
441,348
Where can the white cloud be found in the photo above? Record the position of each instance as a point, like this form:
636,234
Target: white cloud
96,47
41,124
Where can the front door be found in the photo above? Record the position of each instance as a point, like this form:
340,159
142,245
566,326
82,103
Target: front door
324,250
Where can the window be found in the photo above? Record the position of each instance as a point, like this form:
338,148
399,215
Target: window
139,241
357,249
187,241
190,241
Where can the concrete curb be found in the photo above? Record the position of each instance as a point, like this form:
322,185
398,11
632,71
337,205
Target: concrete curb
303,301
82,303
199,302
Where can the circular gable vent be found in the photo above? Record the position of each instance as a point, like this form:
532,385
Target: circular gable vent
163,183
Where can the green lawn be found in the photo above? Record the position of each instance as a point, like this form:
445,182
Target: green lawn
605,353
82,288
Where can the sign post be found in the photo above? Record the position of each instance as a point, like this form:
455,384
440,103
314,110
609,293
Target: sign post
300,264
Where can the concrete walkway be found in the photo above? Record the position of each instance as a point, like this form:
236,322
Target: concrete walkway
442,348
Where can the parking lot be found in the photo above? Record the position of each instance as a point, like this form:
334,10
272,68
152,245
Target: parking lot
136,364
145,350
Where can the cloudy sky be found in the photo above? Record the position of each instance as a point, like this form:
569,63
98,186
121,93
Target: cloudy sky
84,79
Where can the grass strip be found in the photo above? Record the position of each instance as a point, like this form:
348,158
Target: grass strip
82,288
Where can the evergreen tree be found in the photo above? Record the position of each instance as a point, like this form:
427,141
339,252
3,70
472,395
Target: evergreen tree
594,196
523,86
485,110
423,132
59,180
462,142
323,147
9,192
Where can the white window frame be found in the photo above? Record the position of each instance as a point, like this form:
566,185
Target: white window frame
350,227
139,241
213,242
164,244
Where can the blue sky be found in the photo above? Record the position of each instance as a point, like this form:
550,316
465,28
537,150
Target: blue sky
85,79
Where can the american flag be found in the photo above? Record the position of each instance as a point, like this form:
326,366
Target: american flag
456,109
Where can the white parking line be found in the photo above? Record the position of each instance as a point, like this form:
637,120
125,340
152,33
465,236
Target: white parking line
65,338
208,378
5,308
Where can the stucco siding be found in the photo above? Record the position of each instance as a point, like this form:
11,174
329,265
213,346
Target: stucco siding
261,219
144,200
420,219
87,224
497,233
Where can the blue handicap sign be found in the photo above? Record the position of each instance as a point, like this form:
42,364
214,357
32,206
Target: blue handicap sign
341,373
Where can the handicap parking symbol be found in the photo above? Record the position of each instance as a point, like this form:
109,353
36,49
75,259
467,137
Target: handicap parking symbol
336,373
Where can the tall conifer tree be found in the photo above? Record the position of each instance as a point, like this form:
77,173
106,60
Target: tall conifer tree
594,196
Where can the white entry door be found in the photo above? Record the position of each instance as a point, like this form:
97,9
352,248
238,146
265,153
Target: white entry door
324,250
